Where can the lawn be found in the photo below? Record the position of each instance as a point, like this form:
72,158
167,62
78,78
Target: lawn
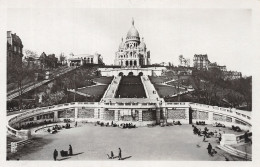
98,90
159,79
103,80
164,90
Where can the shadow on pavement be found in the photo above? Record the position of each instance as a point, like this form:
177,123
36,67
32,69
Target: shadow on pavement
126,157
63,159
77,154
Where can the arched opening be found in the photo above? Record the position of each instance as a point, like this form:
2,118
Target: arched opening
140,74
130,74
131,63
121,74
135,63
126,63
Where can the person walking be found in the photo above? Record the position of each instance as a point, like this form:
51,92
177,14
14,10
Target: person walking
55,155
209,149
119,154
204,138
112,155
70,150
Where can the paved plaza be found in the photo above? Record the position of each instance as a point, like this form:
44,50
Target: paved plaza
91,142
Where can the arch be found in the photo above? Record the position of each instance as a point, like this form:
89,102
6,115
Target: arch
140,74
135,63
121,74
126,62
130,73
131,63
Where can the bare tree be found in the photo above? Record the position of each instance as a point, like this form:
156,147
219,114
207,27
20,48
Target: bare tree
19,73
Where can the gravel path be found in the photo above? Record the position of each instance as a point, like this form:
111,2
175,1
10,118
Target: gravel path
91,142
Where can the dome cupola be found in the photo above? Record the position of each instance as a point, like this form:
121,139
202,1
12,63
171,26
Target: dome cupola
133,34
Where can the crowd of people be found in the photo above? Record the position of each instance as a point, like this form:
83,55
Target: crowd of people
200,123
206,133
112,124
217,124
236,128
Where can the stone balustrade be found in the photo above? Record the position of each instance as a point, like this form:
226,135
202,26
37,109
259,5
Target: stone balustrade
207,112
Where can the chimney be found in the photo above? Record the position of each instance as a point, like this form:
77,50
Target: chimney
9,37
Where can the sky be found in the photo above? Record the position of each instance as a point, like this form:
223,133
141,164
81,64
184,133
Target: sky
225,35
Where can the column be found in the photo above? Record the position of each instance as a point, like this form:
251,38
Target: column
102,113
164,115
140,115
210,117
116,115
55,118
158,115
96,113
76,113
187,115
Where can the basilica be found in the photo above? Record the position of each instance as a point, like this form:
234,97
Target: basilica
132,52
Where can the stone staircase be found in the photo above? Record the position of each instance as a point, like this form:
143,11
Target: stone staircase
235,152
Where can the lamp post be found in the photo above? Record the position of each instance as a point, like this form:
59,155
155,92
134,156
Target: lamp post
178,74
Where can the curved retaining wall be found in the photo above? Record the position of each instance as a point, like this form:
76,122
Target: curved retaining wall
95,111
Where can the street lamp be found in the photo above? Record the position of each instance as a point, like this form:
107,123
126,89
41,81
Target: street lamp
178,74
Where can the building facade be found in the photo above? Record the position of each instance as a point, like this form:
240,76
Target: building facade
14,50
232,75
132,52
201,62
79,60
215,65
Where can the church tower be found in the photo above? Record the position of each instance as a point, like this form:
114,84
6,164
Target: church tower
132,52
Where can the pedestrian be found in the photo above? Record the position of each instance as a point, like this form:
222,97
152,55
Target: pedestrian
55,154
112,155
204,138
119,154
70,150
209,149
76,124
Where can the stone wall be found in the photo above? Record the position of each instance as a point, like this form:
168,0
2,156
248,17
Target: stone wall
67,113
239,122
228,119
86,113
217,117
202,115
176,114
194,114
109,115
149,115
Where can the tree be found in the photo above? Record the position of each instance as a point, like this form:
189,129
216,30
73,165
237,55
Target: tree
43,60
244,86
30,53
19,72
62,58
